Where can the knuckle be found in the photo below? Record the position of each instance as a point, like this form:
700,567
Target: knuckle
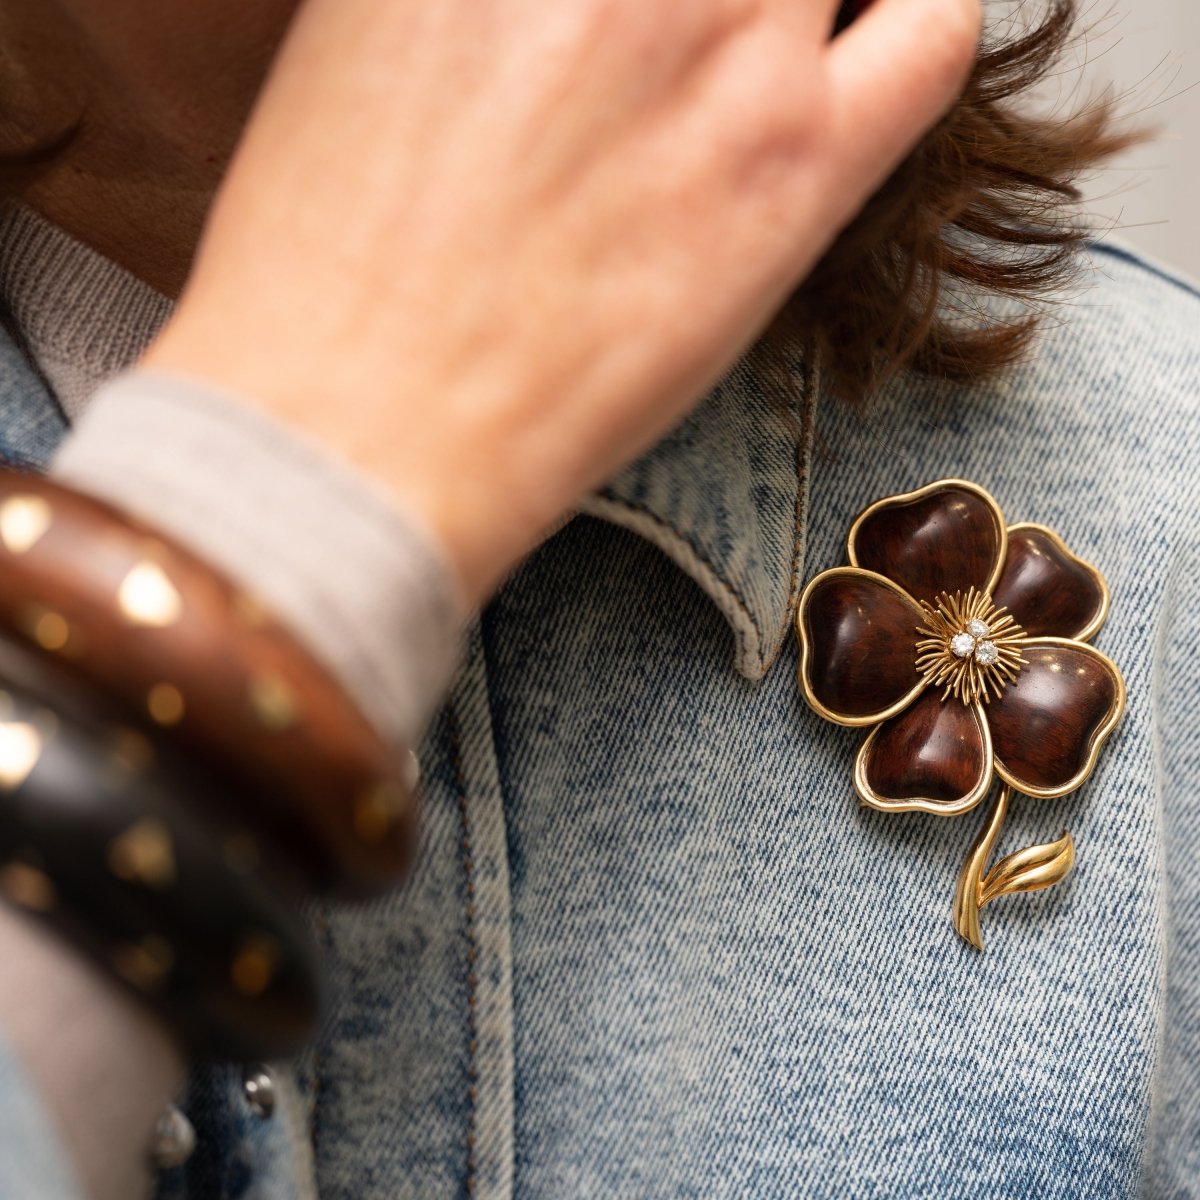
943,41
955,27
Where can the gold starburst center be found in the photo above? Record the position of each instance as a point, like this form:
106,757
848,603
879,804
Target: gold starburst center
968,646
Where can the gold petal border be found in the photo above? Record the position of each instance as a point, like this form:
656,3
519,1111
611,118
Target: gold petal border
939,808
920,494
1094,626
1097,739
806,651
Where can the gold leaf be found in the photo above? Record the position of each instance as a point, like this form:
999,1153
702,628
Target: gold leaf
1030,870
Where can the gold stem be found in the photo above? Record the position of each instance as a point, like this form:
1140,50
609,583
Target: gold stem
969,893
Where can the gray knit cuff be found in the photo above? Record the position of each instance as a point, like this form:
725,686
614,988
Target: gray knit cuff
361,581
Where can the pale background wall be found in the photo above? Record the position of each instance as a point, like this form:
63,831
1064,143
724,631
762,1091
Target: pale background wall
1153,195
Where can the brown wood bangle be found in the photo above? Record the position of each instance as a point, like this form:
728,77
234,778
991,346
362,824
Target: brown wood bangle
112,840
201,660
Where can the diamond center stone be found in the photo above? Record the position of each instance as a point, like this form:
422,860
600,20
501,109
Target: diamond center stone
968,646
963,645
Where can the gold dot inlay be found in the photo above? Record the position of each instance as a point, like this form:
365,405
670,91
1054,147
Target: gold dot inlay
20,749
129,750
144,963
377,811
23,520
27,886
254,965
165,704
144,854
50,630
147,597
274,702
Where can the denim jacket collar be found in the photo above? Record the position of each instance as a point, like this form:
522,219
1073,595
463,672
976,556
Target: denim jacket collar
725,494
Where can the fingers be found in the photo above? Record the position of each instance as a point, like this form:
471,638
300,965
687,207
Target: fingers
893,73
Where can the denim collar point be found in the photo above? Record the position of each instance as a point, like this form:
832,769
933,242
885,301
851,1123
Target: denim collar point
724,496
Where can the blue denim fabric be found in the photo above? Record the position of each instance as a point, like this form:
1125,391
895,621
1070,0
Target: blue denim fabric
653,947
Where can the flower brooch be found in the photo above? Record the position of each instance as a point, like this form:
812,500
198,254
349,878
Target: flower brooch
963,644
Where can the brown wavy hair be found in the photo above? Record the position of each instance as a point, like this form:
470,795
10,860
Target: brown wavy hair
986,206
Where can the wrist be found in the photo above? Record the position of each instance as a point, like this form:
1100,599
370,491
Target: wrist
471,482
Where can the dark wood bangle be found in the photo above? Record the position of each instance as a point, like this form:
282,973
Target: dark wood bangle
104,836
142,617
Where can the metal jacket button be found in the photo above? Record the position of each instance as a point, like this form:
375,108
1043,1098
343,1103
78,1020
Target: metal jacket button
258,1086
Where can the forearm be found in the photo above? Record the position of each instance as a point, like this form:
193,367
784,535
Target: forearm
357,578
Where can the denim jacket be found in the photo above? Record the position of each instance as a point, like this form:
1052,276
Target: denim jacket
653,947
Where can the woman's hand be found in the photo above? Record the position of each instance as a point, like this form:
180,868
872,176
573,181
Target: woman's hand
489,250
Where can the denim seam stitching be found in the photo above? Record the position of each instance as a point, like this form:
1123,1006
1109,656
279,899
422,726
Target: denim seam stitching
468,865
803,462
303,1174
804,420
606,497
318,1077
481,785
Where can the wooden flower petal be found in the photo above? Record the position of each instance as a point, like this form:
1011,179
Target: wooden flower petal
935,757
858,634
946,537
1049,591
1049,725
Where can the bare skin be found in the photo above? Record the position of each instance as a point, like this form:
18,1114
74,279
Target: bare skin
486,250
661,150
681,167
